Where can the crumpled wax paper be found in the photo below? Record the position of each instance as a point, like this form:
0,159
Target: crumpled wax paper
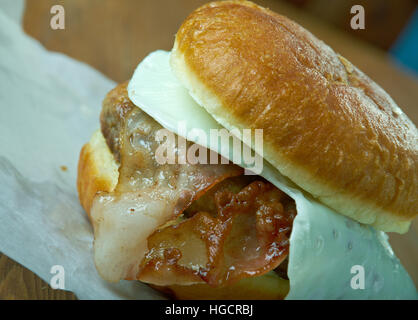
49,107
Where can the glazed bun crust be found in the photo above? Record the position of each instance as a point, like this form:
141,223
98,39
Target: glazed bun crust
326,125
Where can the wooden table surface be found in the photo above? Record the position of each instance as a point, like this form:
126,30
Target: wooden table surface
113,36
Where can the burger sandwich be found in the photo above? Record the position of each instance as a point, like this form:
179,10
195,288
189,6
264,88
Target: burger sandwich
318,162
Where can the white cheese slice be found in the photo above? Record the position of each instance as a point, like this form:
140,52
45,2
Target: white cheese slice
328,251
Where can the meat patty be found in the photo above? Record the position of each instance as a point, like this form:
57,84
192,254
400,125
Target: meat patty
116,109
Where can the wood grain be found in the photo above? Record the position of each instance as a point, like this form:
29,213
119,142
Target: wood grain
17,282
113,36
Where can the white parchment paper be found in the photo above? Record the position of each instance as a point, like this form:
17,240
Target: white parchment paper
49,107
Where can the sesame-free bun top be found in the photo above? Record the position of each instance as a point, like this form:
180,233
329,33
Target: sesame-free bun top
326,125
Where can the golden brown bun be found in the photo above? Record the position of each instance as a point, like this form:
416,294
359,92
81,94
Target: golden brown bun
98,171
327,126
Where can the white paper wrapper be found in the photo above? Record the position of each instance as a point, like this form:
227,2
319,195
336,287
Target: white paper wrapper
49,107
324,245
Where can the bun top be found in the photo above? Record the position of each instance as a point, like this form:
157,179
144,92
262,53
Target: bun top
326,125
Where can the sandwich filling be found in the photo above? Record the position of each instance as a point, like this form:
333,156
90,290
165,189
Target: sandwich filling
182,224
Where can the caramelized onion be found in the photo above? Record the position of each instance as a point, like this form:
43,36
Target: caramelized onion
248,236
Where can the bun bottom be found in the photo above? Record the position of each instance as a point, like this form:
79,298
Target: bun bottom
266,287
98,171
